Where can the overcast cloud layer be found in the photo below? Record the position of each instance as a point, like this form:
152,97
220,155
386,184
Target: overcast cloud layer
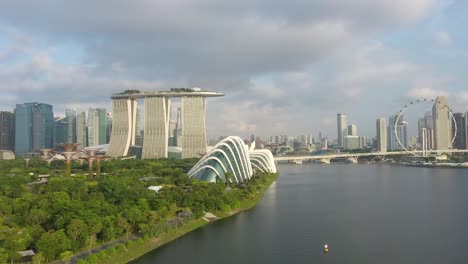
287,67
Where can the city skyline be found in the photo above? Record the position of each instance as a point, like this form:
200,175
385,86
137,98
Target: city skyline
296,65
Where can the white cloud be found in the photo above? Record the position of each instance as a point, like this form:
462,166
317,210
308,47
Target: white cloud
443,38
426,93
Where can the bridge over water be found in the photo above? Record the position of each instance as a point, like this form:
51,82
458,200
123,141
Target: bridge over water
354,156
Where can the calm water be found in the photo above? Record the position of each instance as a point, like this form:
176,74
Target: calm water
366,213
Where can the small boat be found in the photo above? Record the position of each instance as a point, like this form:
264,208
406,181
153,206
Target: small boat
296,161
325,248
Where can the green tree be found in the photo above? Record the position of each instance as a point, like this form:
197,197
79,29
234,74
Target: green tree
94,227
77,231
66,256
3,256
53,243
17,240
38,258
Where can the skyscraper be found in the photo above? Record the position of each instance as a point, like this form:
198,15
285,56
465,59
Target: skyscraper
97,126
460,137
441,122
193,114
7,131
93,127
352,130
402,132
102,125
342,125
381,135
81,136
61,131
401,129
71,125
34,127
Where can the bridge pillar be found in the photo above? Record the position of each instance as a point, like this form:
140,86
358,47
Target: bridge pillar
324,161
353,160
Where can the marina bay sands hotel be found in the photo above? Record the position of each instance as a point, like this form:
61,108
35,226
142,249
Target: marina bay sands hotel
157,110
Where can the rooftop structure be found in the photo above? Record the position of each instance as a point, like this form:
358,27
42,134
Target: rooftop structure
174,92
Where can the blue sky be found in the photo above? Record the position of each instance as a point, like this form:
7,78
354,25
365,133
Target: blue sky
285,67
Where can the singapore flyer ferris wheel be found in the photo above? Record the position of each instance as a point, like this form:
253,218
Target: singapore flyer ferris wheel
440,105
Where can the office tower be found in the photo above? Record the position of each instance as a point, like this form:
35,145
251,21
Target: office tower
81,135
61,131
421,125
34,127
402,132
7,131
352,142
460,137
429,136
43,127
304,140
71,125
441,123
352,130
381,135
93,127
102,124
391,133
342,125
97,126
466,132
109,128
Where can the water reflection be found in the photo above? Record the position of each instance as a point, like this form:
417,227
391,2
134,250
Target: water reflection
367,214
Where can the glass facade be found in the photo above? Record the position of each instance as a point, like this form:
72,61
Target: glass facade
7,131
231,160
34,127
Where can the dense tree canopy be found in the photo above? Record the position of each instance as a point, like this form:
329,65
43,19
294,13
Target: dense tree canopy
72,214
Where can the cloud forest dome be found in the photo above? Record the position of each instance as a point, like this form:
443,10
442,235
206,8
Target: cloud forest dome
232,160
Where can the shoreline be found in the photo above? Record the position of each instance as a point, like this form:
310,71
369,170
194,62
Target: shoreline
136,251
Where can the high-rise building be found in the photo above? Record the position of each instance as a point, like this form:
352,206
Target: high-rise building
460,138
402,132
97,126
352,130
34,127
381,135
109,127
81,136
441,122
392,143
61,131
156,122
93,127
7,131
71,123
102,124
342,125
466,133
352,142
